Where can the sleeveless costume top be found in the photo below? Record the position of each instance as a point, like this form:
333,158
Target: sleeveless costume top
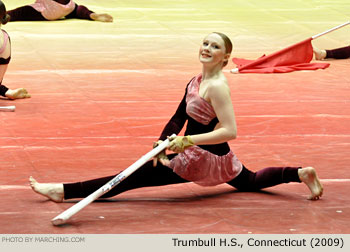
206,165
52,10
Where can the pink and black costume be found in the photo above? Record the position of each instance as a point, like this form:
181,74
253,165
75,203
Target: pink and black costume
339,53
206,165
43,10
4,61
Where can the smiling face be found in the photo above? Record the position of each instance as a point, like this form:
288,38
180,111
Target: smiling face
213,50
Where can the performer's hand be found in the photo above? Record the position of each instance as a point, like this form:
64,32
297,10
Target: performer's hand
180,143
161,157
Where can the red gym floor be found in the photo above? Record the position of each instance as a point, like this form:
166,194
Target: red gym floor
101,94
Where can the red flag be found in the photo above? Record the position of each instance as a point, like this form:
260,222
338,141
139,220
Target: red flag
293,58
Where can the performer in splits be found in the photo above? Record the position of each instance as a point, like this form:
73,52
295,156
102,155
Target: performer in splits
337,53
43,10
203,155
5,57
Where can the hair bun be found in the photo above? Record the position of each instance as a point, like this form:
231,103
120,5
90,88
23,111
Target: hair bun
5,19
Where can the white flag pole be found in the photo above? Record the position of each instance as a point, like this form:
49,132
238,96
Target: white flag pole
330,30
66,215
8,108
236,70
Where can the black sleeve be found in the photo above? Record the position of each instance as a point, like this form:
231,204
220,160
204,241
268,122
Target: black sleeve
177,121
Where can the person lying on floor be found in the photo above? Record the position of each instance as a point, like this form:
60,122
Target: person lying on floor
48,10
5,57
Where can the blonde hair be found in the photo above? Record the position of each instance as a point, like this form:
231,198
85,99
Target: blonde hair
228,44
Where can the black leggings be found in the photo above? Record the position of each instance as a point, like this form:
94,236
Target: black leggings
148,175
3,90
28,13
339,53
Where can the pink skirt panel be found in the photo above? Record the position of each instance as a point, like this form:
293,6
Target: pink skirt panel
204,168
52,10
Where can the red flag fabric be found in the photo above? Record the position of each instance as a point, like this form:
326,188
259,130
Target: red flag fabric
293,58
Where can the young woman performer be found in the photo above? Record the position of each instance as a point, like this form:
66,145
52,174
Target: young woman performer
5,57
43,10
203,154
337,53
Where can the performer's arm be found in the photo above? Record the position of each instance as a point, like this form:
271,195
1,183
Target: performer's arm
177,121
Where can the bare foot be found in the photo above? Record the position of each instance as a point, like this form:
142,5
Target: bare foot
319,54
18,93
101,17
52,191
309,177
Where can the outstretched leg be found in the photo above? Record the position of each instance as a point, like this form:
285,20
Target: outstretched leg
339,53
13,94
268,177
103,17
19,93
145,176
82,12
25,13
320,54
309,177
52,191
